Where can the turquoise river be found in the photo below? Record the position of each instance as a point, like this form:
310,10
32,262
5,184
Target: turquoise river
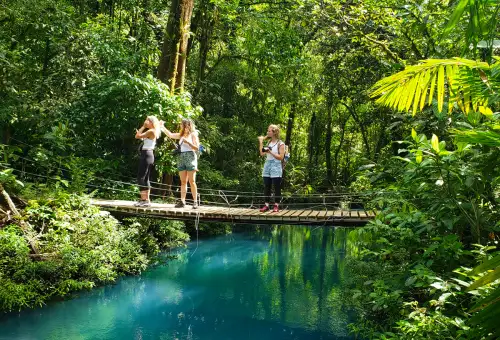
267,283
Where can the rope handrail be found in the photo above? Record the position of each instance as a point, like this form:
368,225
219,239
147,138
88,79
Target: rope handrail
226,203
216,192
226,192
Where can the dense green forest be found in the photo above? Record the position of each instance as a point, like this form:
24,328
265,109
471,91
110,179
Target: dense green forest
398,100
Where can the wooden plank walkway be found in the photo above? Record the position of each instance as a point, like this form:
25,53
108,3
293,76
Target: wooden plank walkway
331,218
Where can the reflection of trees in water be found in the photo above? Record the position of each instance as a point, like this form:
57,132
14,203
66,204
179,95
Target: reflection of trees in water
300,275
269,278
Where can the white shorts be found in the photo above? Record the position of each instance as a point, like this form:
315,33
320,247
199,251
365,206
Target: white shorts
272,168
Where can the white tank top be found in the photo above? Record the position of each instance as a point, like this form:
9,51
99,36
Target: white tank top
274,149
185,147
148,144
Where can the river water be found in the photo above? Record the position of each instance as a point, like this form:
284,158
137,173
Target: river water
269,283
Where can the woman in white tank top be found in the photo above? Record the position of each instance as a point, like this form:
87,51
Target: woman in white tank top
149,132
187,162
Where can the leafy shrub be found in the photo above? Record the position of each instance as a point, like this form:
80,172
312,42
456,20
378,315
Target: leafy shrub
80,247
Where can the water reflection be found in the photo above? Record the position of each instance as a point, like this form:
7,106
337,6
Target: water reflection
272,283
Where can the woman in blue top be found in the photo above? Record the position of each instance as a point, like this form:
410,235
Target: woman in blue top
274,152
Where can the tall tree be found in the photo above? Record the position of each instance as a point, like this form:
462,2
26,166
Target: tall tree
172,67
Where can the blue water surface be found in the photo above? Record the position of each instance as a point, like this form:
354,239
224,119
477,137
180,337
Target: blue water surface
269,283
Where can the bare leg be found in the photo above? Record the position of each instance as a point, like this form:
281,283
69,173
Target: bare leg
183,176
192,184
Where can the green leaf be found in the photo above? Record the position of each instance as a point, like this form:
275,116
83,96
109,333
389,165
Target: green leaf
440,88
455,17
435,143
414,134
487,265
494,297
486,279
418,157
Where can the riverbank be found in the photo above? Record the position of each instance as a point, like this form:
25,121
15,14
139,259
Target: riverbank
61,244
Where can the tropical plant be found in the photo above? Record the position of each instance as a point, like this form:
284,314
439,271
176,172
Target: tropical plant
465,83
487,308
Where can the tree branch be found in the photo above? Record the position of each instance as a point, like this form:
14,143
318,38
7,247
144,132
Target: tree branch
25,227
263,3
413,46
382,44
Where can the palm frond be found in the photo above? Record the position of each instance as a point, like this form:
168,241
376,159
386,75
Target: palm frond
482,20
462,82
487,309
484,137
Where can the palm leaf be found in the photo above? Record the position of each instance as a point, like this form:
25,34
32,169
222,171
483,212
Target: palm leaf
456,81
482,17
487,309
484,137
455,17
486,279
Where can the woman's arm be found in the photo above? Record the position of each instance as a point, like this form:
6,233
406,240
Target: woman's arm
261,145
175,135
279,156
140,134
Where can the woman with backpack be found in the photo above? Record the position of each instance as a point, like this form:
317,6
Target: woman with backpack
274,152
187,162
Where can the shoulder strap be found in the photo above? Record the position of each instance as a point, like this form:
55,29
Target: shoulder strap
279,145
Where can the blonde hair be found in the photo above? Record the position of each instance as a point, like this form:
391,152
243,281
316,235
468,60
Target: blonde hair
187,124
276,130
156,125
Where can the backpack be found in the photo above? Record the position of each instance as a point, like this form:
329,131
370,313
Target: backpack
285,159
287,155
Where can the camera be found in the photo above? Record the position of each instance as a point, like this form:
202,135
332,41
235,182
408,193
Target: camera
266,149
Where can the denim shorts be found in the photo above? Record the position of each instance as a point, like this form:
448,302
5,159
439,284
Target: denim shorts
272,168
187,161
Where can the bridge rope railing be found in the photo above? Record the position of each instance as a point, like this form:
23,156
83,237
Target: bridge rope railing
207,196
216,197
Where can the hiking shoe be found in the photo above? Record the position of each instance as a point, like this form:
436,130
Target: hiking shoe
264,208
276,208
195,205
180,204
143,204
138,203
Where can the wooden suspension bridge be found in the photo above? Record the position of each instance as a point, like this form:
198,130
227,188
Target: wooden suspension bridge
238,215
304,211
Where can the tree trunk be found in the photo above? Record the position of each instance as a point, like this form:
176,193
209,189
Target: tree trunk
310,149
328,142
341,142
207,23
172,65
24,225
362,128
346,171
289,127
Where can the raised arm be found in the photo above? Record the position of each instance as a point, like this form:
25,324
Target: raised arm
140,134
173,135
261,145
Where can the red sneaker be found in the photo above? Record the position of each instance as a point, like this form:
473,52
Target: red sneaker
276,208
264,208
